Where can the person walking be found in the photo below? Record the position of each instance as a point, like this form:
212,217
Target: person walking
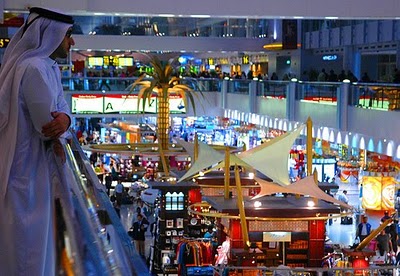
384,244
119,192
34,118
139,230
363,228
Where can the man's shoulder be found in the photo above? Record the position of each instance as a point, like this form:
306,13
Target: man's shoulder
35,63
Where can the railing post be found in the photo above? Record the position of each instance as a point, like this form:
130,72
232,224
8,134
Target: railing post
224,92
342,105
291,99
253,96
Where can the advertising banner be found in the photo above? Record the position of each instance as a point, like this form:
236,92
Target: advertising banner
378,192
176,105
120,104
87,104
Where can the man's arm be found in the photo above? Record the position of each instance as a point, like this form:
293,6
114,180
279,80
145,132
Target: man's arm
55,128
42,103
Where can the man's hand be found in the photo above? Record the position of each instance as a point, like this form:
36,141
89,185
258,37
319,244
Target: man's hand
59,150
57,126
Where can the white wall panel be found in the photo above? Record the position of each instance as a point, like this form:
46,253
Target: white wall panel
274,108
371,32
315,39
386,30
321,115
359,34
347,38
375,123
335,37
325,35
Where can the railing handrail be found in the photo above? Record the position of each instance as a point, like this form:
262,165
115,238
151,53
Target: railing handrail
101,242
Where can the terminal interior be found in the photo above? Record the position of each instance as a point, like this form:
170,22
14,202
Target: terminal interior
293,108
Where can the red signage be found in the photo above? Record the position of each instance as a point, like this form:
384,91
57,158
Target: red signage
13,22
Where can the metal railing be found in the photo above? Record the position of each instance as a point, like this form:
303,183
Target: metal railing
382,96
96,242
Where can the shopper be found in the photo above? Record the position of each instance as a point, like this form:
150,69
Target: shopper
282,270
363,228
119,192
384,243
33,121
343,198
139,230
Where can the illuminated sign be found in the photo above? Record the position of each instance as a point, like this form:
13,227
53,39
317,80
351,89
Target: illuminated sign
125,61
128,104
120,104
95,61
176,105
378,192
111,61
87,104
150,107
277,236
4,42
330,57
245,60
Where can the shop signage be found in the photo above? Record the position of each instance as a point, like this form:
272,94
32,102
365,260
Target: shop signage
329,57
111,61
176,105
96,61
245,59
277,236
12,21
4,42
125,61
87,104
120,104
128,104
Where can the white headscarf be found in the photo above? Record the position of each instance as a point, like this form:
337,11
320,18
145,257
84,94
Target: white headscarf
40,39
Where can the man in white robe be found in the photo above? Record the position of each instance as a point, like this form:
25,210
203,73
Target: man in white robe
33,118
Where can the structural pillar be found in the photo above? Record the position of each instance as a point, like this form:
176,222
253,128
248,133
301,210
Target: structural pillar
342,106
224,93
291,100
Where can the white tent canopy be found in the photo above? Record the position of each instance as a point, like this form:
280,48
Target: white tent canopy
305,186
271,158
207,158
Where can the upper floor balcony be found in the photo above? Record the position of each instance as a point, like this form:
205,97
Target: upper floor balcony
365,113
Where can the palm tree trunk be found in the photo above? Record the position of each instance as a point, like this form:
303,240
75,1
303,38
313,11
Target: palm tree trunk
163,122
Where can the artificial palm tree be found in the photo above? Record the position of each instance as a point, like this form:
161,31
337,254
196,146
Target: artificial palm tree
163,83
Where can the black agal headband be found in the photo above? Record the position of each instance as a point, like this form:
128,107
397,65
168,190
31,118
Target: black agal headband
52,15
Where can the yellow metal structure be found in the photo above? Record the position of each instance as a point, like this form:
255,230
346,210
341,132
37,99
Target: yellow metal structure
242,214
164,162
196,147
309,146
227,175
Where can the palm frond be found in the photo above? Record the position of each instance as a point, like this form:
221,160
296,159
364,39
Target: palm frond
163,83
137,82
144,95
